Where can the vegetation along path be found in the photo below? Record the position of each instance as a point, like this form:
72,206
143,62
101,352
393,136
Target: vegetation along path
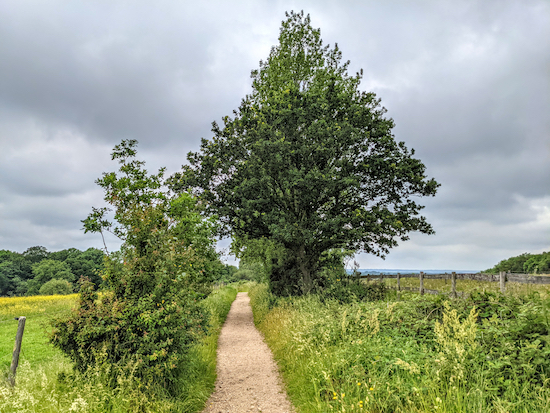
248,379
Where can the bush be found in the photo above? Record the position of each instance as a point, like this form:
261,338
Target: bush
146,335
489,352
56,286
146,321
347,288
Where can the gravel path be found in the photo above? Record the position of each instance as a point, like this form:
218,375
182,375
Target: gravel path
248,379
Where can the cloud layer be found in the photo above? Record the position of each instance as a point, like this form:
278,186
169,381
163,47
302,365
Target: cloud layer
467,83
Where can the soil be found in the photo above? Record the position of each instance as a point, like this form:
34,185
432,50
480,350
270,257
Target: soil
248,379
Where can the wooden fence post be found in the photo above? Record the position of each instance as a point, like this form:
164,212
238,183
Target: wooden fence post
421,283
398,286
453,284
502,282
398,282
17,349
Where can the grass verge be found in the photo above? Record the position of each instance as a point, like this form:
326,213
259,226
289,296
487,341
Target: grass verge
487,353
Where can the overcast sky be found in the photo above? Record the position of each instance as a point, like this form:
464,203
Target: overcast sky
467,83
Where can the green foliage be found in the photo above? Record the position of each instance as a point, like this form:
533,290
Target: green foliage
50,385
261,301
18,275
15,271
486,353
47,270
308,162
86,264
151,315
348,289
258,255
36,254
56,286
524,263
148,335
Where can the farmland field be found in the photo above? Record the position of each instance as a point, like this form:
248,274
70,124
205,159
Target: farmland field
38,310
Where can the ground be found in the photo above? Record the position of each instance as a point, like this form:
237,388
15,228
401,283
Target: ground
248,379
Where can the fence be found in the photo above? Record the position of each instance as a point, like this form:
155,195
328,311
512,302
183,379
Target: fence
501,278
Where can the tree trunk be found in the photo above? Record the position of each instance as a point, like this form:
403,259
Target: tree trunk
305,270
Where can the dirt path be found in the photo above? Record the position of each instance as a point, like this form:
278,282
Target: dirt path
248,380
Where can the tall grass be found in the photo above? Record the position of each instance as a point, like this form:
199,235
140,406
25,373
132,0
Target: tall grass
50,385
468,286
421,354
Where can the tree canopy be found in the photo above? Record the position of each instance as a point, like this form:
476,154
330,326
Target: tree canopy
25,273
308,161
524,263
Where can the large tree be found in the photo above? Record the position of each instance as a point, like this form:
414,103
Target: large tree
309,161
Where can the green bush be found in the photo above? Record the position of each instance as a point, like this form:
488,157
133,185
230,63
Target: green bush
148,335
56,286
150,314
336,284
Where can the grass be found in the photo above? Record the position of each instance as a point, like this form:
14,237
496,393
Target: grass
467,286
38,310
45,382
488,353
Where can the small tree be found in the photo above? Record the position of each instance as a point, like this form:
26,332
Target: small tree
56,286
150,315
46,270
309,162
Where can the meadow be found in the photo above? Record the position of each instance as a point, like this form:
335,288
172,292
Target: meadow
38,310
468,286
45,381
486,353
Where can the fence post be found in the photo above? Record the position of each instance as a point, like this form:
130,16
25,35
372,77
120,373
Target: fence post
453,284
421,283
502,282
398,282
398,286
17,349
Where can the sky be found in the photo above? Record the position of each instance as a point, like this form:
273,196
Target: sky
467,83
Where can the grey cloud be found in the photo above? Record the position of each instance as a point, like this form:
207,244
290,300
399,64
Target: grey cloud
466,83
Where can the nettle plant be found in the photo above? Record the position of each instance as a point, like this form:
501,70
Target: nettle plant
149,315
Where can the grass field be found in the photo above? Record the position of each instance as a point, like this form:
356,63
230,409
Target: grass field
467,286
38,310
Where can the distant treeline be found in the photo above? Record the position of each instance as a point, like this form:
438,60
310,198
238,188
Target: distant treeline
38,271
524,263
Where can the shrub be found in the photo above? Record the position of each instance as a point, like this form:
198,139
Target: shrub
146,321
148,335
349,288
56,286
